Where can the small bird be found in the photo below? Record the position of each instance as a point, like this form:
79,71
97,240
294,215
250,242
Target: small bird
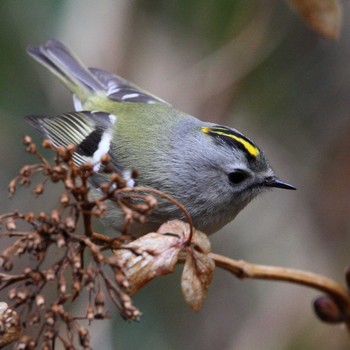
213,170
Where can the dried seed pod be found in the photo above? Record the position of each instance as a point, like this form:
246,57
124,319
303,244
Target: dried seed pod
70,223
105,187
12,186
22,294
27,140
47,143
39,189
64,198
90,313
42,216
69,184
61,242
26,171
29,217
50,318
55,216
50,275
327,310
100,304
105,159
31,148
71,148
40,300
12,294
6,264
84,337
10,224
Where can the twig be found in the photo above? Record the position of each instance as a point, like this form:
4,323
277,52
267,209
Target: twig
242,269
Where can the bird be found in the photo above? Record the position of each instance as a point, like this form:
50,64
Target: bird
213,170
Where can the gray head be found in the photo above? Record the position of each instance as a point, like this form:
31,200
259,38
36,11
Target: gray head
224,172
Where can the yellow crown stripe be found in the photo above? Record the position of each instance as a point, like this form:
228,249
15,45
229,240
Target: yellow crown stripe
251,149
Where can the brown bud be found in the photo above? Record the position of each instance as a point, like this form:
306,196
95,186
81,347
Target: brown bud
42,216
12,186
327,310
77,287
11,225
39,189
27,140
50,275
116,178
61,242
151,201
122,280
71,148
105,159
61,150
104,187
49,319
100,298
90,313
107,169
36,276
76,262
69,184
49,335
87,167
64,198
35,319
12,294
22,294
40,300
47,143
99,304
31,148
70,223
57,309
84,337
6,264
29,217
23,343
55,216
62,286
26,171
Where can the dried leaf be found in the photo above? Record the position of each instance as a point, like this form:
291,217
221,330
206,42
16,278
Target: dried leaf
196,277
324,16
175,227
201,242
152,255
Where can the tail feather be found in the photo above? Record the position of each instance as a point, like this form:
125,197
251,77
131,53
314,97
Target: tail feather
83,82
62,63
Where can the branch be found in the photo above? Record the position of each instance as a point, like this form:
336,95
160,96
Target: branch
334,290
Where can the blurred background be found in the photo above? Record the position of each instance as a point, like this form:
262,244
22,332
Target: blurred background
253,65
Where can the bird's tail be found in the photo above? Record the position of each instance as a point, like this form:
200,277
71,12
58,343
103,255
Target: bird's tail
55,56
85,82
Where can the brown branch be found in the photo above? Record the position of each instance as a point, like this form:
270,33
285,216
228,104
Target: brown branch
242,269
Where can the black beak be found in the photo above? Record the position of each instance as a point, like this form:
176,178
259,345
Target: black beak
273,181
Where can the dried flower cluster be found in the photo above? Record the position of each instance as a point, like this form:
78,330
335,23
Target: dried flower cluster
80,265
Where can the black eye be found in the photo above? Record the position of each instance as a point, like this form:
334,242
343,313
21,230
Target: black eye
238,176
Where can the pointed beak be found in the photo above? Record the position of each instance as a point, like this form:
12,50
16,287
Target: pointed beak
274,181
